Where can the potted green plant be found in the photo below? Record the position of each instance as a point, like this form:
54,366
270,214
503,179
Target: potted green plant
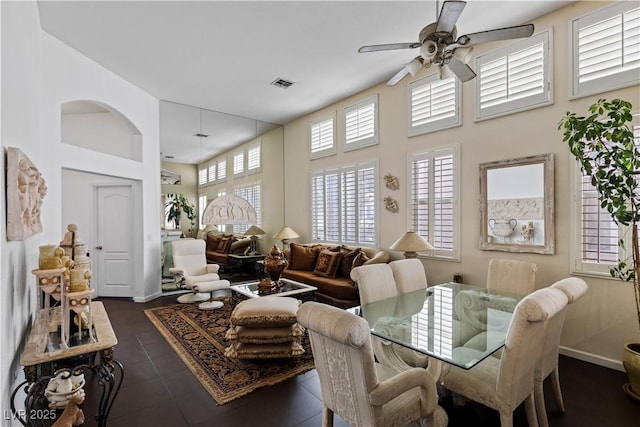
177,205
604,145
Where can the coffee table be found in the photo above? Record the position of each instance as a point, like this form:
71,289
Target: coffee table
287,287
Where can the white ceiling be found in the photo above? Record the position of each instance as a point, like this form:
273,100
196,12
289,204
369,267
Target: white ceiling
222,55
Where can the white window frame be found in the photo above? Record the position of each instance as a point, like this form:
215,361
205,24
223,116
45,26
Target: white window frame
318,133
202,205
453,253
578,265
616,79
517,104
361,142
239,166
319,213
428,86
254,162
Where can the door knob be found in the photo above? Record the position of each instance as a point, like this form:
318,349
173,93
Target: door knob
99,248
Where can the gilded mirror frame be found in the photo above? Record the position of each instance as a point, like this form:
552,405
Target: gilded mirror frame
532,215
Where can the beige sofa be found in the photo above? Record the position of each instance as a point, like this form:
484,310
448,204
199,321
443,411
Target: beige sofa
328,268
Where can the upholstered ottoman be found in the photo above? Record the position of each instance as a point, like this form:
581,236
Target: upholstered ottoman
265,327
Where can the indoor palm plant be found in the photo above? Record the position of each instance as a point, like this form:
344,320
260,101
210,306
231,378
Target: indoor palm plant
604,145
176,206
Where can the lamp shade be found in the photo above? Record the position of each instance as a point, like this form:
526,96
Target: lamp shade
254,230
410,243
286,233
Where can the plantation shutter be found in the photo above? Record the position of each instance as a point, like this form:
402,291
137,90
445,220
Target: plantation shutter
202,176
433,104
434,212
253,158
318,230
222,170
514,77
251,194
360,124
599,234
212,172
238,163
606,43
349,192
367,205
323,137
332,207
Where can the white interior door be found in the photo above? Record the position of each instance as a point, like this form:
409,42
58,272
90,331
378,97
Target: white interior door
114,241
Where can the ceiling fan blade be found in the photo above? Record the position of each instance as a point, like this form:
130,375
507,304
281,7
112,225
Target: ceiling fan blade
460,69
451,11
390,46
508,33
399,76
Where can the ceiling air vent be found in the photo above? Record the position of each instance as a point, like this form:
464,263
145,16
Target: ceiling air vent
281,83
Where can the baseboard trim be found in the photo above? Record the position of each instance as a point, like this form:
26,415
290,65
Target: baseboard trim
592,358
147,298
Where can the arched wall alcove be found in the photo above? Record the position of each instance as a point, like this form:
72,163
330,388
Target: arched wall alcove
96,126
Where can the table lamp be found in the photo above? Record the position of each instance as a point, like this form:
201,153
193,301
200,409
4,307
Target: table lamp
286,234
254,231
411,243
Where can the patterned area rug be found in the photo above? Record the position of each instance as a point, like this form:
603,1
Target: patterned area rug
198,337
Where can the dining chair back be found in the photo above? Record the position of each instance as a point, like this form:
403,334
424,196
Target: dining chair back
547,366
364,393
512,276
409,275
375,282
504,383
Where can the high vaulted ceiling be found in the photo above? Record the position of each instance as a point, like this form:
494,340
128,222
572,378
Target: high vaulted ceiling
223,55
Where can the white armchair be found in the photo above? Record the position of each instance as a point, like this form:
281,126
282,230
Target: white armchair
191,270
364,393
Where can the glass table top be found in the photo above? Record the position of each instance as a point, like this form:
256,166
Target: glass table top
456,323
287,287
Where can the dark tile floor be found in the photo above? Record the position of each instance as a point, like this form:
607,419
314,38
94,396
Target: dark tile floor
159,390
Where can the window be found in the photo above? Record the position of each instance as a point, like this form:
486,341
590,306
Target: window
515,78
323,136
433,104
343,205
361,124
606,49
212,171
222,170
202,205
434,211
251,194
238,163
596,238
253,158
202,175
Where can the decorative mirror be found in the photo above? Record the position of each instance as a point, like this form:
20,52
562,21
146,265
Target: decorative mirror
516,205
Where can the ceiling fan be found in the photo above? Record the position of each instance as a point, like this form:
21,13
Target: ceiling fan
438,44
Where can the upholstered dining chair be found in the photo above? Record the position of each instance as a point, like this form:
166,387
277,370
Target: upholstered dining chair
574,288
409,275
364,393
504,383
375,282
512,276
190,269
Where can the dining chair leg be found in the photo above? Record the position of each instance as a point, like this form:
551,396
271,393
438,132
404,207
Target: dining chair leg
530,409
506,420
327,417
541,410
557,393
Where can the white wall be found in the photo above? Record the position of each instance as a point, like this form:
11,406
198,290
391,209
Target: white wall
39,74
599,324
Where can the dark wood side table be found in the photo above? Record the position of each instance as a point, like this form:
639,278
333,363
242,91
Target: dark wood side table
43,355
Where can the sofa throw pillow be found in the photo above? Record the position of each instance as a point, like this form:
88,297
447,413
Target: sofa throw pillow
213,241
346,263
225,243
303,257
360,259
328,263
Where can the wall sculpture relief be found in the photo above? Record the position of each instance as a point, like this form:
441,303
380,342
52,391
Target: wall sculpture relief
25,192
229,209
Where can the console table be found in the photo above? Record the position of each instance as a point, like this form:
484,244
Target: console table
43,355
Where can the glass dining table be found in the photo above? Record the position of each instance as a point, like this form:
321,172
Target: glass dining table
454,323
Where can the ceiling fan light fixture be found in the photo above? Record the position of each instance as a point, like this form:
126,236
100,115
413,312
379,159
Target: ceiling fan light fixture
414,66
429,50
445,72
